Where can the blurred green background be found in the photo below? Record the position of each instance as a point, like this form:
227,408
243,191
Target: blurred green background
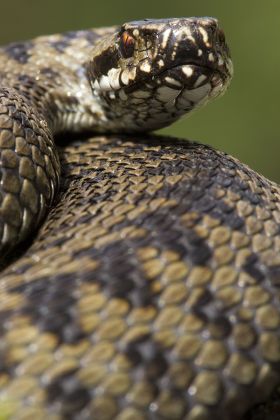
245,122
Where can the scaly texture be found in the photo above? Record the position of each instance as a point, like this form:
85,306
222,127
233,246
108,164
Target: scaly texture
151,290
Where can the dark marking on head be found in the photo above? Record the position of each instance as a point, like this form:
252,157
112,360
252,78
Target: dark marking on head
104,62
20,51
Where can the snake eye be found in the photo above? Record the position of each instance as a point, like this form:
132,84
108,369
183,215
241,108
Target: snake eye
127,43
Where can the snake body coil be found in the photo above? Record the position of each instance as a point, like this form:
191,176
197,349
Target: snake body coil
151,289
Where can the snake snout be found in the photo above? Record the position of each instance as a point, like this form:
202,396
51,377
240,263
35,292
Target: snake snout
215,53
219,56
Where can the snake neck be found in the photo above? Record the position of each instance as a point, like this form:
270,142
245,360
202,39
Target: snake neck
63,105
50,76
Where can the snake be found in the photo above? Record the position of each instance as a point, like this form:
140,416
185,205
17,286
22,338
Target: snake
140,272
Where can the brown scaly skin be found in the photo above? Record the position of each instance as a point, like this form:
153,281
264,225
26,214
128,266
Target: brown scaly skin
151,290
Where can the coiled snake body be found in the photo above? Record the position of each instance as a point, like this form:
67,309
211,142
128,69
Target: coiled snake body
150,291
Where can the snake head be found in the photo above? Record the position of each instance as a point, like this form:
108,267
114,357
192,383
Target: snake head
149,73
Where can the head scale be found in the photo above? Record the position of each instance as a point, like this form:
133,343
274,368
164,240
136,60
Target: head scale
151,72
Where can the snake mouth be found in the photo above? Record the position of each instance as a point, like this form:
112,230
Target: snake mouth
185,86
184,76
